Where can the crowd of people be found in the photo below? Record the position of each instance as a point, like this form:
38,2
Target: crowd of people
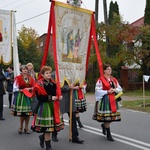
48,117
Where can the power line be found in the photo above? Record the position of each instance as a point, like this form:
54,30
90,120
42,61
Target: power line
24,3
10,4
32,17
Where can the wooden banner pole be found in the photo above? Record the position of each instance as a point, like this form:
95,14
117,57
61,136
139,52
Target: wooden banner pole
70,126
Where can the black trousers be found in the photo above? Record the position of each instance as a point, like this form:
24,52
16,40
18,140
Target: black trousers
1,106
10,98
74,127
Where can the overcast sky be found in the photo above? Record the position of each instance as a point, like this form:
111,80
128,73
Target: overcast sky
130,10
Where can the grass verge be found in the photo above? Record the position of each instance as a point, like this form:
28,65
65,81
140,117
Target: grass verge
137,105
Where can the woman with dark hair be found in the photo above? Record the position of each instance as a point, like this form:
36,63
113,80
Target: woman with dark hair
107,108
22,103
48,117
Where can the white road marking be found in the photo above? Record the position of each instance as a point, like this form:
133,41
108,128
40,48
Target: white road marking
120,138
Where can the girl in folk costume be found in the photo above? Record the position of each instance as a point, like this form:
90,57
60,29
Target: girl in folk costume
80,102
22,103
48,118
107,108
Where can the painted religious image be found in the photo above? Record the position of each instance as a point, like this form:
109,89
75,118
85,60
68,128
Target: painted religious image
1,33
73,39
73,29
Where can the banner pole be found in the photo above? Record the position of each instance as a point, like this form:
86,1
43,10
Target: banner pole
11,30
70,125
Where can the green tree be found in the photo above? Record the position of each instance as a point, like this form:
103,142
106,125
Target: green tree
147,13
146,40
113,11
28,48
143,52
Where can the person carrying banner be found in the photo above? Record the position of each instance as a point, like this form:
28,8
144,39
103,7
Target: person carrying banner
22,103
47,118
65,108
107,108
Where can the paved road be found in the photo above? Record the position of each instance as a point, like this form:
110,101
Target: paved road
132,133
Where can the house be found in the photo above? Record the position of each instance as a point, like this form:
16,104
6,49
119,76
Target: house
42,44
130,75
138,23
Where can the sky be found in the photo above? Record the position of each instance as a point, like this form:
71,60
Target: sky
35,13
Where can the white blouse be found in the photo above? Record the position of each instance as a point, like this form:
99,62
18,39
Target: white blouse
99,92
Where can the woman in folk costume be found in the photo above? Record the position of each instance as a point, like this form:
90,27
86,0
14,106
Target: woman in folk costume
48,117
31,70
80,102
107,109
22,103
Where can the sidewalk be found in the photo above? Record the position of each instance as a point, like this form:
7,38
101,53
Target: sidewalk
90,98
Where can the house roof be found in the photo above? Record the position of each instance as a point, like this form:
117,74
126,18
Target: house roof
138,22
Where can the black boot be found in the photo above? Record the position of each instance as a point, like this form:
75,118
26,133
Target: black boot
109,137
79,122
54,136
48,145
41,137
103,129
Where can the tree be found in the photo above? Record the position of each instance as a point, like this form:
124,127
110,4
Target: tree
145,57
113,11
28,44
143,53
147,13
27,36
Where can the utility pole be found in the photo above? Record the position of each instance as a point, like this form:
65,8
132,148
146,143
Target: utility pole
106,22
96,10
105,11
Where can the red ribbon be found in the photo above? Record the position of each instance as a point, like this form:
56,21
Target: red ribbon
112,103
106,86
80,94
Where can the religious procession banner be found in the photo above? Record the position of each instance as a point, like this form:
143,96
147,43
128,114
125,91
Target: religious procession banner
5,37
72,38
73,30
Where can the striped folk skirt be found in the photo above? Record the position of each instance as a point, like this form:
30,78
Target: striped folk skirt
81,105
104,113
44,119
21,105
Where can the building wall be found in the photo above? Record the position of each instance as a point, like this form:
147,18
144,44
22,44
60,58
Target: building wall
42,44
